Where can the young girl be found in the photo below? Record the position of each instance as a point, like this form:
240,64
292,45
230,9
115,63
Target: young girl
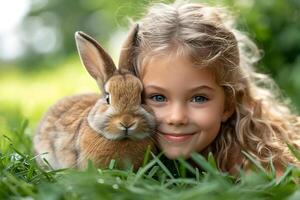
199,78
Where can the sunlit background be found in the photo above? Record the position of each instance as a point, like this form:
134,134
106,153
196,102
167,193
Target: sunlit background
39,62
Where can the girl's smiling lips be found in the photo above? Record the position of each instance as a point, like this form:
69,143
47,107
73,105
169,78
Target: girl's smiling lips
177,138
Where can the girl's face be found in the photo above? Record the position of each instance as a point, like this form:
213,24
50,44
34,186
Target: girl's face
187,102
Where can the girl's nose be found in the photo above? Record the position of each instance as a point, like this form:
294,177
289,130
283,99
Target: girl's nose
177,115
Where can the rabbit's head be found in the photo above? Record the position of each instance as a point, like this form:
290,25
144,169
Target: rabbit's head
119,113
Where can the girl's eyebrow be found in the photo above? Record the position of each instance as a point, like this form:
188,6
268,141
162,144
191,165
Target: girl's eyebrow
154,87
201,87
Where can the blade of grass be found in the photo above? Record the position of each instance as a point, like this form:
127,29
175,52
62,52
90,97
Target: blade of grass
273,170
181,181
182,170
24,125
6,137
285,174
17,151
11,188
142,171
197,174
25,187
201,161
211,160
163,178
48,164
153,171
255,162
112,164
147,156
294,151
186,165
175,163
162,166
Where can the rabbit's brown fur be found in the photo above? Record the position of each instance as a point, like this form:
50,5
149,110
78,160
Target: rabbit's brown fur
97,127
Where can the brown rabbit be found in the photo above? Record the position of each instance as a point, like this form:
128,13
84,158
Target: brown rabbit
113,125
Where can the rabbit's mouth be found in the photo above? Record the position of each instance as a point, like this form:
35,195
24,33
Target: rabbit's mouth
125,134
135,136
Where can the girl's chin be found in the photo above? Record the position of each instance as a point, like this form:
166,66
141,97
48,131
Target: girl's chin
173,152
175,155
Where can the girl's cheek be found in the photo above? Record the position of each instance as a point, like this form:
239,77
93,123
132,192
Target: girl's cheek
158,112
207,119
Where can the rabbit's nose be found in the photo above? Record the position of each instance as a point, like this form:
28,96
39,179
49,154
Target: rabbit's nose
128,126
127,122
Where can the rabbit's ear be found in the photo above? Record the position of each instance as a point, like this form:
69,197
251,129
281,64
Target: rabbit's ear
128,51
95,59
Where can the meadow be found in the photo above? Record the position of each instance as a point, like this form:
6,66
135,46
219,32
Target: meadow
158,178
50,69
21,178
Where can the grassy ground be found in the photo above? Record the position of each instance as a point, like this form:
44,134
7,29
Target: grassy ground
21,178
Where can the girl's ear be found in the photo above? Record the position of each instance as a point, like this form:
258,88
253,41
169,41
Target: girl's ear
228,111
95,59
128,51
227,114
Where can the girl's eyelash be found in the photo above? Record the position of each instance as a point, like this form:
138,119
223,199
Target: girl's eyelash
157,97
162,98
199,99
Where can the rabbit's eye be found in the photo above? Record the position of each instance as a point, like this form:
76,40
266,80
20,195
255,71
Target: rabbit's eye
143,98
107,98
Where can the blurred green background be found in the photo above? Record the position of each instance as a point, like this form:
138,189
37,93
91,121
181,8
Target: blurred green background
39,62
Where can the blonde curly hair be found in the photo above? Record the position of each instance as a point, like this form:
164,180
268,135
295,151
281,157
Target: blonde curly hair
262,123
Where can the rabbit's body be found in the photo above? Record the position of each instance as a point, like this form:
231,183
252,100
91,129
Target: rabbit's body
60,129
65,131
113,125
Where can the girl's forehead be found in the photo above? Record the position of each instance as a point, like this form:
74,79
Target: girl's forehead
169,59
176,69
200,57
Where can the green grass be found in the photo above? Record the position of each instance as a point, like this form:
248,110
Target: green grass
29,96
21,178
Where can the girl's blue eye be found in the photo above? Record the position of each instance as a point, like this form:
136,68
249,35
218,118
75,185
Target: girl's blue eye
158,98
199,99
